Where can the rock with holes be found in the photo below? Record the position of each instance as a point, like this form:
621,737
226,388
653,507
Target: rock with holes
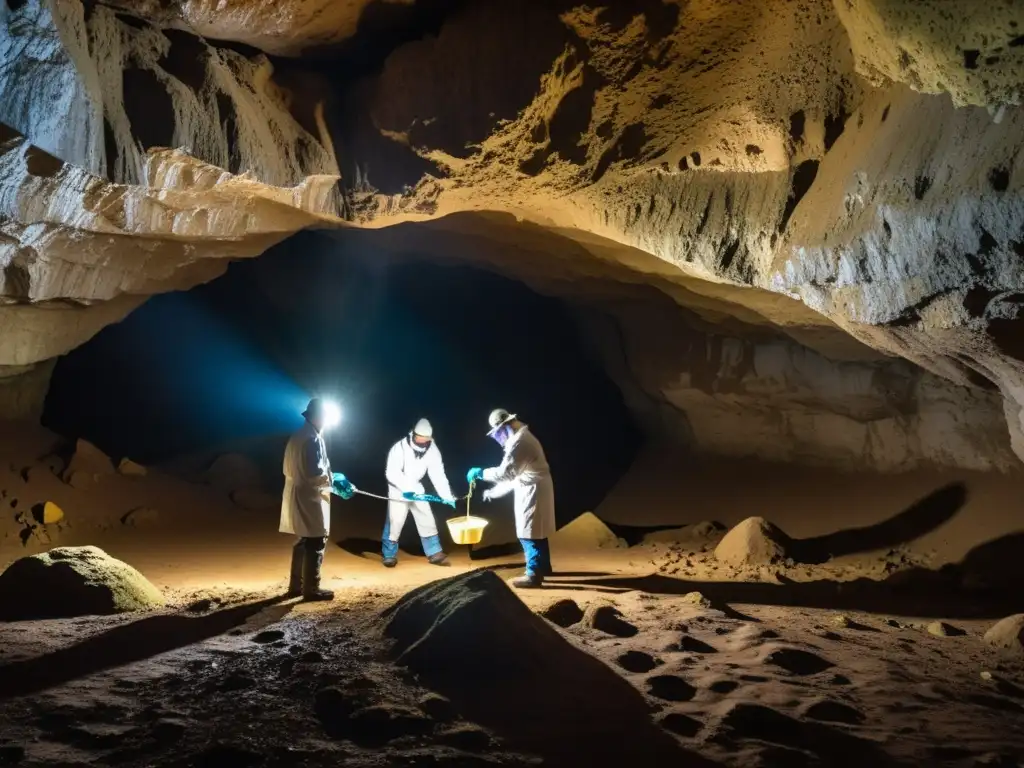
1008,633
754,542
73,581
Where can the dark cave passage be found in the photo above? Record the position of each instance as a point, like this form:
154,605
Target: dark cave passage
228,366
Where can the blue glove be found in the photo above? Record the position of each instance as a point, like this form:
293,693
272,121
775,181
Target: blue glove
410,496
474,474
449,502
340,486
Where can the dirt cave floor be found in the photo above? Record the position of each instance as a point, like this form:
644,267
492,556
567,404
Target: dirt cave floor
653,654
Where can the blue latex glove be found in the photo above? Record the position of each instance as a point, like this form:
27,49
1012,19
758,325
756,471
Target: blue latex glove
410,496
449,502
340,486
474,474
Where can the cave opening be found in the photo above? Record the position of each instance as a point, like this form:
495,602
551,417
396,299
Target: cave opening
227,367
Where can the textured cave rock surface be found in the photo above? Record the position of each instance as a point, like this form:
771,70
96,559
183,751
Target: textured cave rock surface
829,191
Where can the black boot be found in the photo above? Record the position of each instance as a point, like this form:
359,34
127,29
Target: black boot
438,558
528,581
311,564
295,574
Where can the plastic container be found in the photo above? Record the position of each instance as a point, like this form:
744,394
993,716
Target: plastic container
466,529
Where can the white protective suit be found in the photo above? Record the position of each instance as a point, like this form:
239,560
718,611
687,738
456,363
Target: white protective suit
524,470
306,503
405,471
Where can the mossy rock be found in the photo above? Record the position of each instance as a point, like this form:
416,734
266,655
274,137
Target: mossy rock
73,581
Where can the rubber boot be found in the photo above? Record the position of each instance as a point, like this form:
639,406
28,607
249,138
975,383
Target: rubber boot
528,581
295,575
438,558
311,591
390,562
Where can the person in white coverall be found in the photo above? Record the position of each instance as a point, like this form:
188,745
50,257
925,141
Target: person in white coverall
410,459
306,502
523,471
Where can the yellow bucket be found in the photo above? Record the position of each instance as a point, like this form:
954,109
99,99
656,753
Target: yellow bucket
466,529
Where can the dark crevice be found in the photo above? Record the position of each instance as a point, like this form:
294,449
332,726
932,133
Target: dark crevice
835,125
986,243
186,59
572,117
627,147
803,178
149,108
753,150
977,300
912,314
729,254
41,164
110,145
229,128
921,186
999,178
695,157
797,124
885,113
971,59
1017,42
132,21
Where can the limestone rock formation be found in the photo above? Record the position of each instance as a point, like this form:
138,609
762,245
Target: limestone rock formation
73,581
753,542
1007,633
791,229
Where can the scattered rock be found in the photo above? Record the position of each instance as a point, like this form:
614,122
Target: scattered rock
140,516
73,581
841,620
798,662
586,532
670,688
129,468
834,712
687,534
1007,633
466,736
942,629
233,471
438,708
894,623
691,644
268,636
608,619
254,500
563,613
333,707
380,724
88,464
47,513
637,662
681,725
755,542
696,598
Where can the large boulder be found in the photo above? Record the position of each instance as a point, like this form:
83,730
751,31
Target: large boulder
587,531
1007,633
73,581
472,640
233,471
753,542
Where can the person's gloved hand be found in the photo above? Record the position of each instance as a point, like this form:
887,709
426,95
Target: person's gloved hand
450,503
476,473
340,486
410,496
488,495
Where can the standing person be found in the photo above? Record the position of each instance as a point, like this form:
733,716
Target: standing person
412,457
524,469
306,502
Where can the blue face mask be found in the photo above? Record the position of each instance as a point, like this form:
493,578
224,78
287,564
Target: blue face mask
502,434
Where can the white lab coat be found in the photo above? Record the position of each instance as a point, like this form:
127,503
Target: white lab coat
306,503
406,469
525,471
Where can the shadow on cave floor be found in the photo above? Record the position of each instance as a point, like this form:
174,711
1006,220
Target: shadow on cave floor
921,517
124,644
934,598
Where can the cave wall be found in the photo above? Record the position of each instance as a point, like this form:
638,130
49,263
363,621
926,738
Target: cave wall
835,184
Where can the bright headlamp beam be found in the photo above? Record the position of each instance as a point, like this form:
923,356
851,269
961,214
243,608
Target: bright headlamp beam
332,414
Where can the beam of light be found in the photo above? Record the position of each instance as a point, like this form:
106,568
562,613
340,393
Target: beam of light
332,414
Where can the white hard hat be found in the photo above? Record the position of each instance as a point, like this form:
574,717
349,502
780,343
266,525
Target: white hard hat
423,428
499,417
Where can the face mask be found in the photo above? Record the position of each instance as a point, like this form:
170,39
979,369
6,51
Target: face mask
416,446
502,434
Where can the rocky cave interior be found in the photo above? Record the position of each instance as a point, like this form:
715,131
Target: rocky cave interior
730,260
